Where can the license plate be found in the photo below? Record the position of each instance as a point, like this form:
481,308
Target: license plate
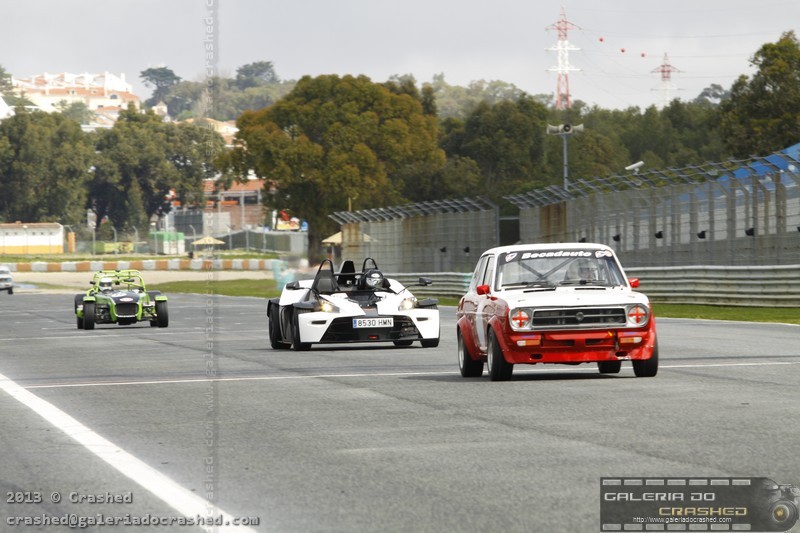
386,322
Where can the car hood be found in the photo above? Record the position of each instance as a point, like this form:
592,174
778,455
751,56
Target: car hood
573,297
121,296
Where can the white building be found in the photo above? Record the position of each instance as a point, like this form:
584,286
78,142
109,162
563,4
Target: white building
32,238
5,109
97,91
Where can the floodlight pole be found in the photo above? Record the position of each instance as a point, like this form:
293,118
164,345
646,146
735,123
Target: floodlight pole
564,136
564,131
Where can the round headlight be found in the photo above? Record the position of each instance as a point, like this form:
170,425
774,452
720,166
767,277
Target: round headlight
519,318
638,315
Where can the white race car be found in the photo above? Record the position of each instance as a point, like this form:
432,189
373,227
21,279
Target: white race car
349,306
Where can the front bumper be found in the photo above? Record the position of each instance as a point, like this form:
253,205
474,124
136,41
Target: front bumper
320,327
579,346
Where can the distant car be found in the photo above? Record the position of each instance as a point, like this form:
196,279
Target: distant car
349,306
554,303
120,297
6,280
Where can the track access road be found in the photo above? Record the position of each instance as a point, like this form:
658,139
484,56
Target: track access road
365,438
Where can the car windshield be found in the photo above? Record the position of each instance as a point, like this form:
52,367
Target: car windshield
552,268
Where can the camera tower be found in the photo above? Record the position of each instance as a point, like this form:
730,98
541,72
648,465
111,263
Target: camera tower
562,48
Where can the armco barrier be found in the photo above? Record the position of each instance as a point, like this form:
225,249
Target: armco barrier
768,286
445,284
761,286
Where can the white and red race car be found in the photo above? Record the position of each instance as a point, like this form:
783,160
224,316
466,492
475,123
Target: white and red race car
554,303
348,307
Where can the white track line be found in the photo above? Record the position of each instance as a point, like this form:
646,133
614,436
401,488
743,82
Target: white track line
364,375
174,495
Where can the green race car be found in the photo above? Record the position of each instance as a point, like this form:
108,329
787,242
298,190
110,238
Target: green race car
120,297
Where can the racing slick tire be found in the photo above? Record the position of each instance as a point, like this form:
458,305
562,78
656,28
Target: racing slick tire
162,314
403,343
646,368
78,301
499,368
609,367
469,367
88,315
296,344
430,343
274,325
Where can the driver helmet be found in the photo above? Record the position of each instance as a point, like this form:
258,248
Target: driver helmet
105,284
584,269
373,279
588,270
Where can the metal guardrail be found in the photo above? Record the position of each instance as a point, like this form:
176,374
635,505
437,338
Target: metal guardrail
765,286
758,286
445,284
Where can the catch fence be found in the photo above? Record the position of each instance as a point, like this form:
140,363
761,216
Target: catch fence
436,236
732,213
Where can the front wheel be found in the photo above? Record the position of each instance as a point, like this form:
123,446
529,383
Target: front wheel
78,302
88,315
430,343
609,367
11,290
499,368
469,367
274,325
162,314
647,368
296,344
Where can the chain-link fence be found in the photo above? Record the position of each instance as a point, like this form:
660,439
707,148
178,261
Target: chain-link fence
84,241
732,213
437,236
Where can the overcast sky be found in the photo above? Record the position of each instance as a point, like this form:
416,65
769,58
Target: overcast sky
710,41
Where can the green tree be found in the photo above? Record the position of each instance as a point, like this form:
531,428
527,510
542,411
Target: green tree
77,111
141,159
44,165
506,140
6,88
161,79
256,74
763,112
454,101
7,91
338,142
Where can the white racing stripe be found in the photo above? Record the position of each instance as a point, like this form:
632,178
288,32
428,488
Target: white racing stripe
182,500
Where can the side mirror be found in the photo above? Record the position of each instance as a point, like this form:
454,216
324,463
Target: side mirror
424,281
634,282
482,290
294,285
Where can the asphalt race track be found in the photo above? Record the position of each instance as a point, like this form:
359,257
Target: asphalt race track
146,422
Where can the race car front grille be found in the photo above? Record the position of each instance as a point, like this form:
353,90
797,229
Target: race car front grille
127,309
578,318
341,330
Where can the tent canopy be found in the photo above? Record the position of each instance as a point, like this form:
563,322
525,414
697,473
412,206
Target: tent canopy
208,240
336,238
